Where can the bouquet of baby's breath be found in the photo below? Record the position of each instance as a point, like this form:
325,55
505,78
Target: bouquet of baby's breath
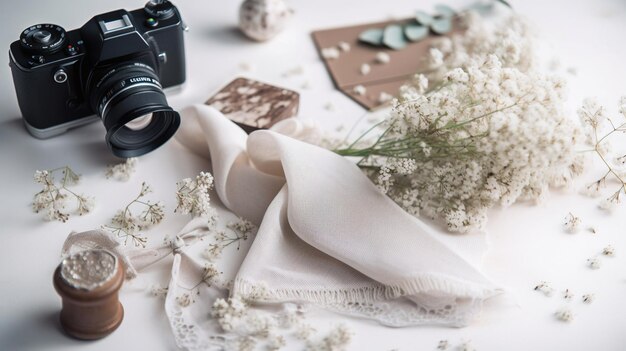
490,131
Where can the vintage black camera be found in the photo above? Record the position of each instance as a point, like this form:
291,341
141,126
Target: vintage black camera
115,66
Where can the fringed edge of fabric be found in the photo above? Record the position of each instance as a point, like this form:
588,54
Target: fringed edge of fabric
425,283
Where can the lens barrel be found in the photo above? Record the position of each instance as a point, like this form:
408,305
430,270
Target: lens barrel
128,92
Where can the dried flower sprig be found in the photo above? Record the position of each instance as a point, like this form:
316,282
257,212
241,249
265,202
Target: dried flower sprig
193,197
122,171
599,127
238,232
127,226
54,198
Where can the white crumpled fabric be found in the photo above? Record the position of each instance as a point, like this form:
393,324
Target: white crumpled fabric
327,235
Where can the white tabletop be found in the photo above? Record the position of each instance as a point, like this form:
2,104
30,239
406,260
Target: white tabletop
528,243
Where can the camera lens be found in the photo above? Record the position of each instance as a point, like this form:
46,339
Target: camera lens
133,107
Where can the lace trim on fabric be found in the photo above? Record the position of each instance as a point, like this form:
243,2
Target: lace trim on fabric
427,299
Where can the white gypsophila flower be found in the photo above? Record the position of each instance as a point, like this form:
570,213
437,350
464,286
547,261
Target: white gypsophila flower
443,345
126,224
608,204
193,198
478,143
157,290
588,298
592,112
85,204
276,342
184,300
337,340
545,288
467,346
572,223
598,128
210,274
435,58
229,312
564,315
608,251
568,294
122,171
594,263
54,199
304,331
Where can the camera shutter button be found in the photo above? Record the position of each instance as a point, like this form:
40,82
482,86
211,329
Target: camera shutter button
60,76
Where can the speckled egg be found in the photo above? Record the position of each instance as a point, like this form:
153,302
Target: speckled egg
262,19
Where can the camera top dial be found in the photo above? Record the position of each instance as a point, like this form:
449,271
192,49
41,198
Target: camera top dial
159,9
43,38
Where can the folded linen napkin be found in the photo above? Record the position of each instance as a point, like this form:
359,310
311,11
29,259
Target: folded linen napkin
328,236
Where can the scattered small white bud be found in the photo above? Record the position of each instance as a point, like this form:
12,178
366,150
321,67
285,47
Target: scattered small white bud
608,204
592,230
564,315
122,171
359,90
330,53
365,69
572,70
608,251
305,85
588,298
246,66
467,346
545,288
443,345
343,46
329,106
293,72
568,295
383,57
384,97
594,263
572,223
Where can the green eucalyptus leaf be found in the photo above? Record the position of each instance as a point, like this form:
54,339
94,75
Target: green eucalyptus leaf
415,32
444,11
423,18
372,36
505,3
393,37
442,25
481,7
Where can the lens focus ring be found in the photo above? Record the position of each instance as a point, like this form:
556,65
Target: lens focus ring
122,86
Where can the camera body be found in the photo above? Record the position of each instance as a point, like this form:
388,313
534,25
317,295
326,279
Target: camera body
60,77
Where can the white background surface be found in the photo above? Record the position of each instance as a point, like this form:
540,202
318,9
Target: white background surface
528,242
